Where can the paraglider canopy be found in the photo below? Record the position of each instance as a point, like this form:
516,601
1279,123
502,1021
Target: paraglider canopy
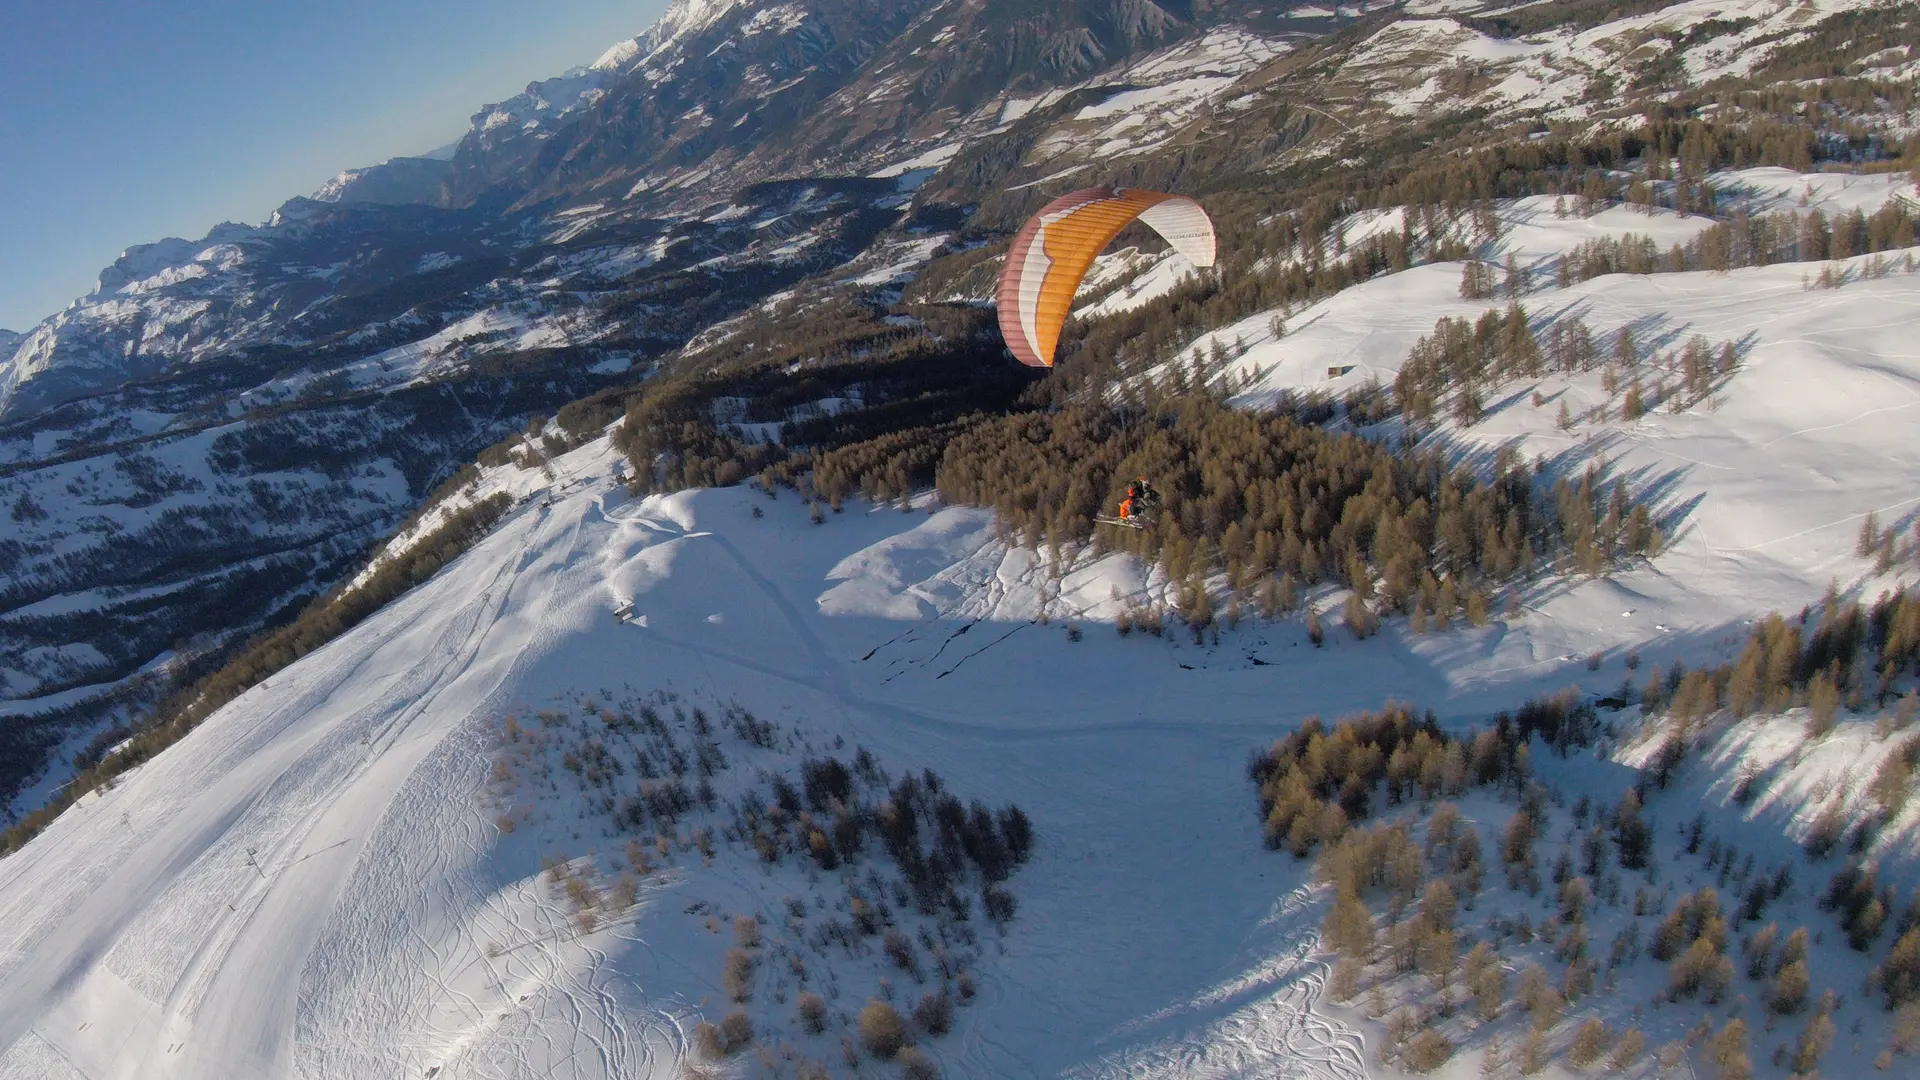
1053,250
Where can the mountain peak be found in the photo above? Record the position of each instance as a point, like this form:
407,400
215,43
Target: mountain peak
397,181
682,17
145,260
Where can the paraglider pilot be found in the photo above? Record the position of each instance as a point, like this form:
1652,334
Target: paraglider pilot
1141,500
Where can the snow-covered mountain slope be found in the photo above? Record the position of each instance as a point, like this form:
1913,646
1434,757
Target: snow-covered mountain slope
351,820
323,879
399,180
352,778
714,99
1827,387
207,440
357,348
261,452
1461,60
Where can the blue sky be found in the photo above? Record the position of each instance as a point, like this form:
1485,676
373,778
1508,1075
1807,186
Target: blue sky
124,121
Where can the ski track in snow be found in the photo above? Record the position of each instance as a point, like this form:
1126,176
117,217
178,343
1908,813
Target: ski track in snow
232,906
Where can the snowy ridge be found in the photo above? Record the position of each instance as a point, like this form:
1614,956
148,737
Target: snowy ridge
389,754
276,837
545,103
399,181
682,18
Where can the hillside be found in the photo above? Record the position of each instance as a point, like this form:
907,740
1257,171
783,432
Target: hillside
352,352
355,349
1528,648
1151,933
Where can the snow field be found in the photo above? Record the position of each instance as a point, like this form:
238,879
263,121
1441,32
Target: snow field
1153,936
1821,406
1552,72
339,834
319,883
738,858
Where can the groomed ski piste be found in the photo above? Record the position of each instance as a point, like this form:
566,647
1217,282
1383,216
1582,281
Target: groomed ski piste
322,881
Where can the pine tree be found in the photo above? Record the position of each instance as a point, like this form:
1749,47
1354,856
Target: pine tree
1759,951
1533,1053
1891,780
882,1029
1743,684
1520,349
1869,536
1900,978
1427,1051
1625,353
1518,277
1626,1052
1476,280
1813,1043
1468,407
1823,703
1589,1042
1344,983
1634,407
1492,1057
1479,608
1349,927
1729,360
1727,1052
1788,995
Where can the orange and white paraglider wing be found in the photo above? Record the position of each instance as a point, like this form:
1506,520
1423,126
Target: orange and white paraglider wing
1052,252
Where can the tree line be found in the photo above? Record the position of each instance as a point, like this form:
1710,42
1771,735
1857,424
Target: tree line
1275,504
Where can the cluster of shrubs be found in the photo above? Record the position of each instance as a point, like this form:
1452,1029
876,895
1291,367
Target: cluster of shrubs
1747,240
1850,656
1316,782
1866,910
1693,937
1465,358
650,768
